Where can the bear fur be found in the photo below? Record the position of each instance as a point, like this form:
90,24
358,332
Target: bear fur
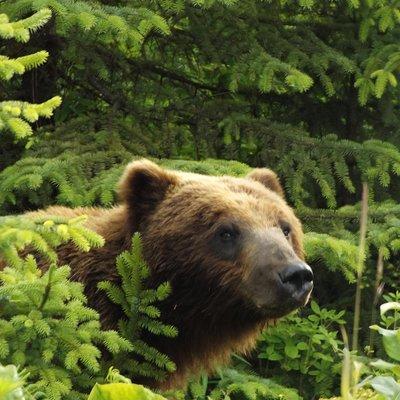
224,288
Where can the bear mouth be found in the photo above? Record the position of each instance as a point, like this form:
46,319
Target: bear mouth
272,313
284,308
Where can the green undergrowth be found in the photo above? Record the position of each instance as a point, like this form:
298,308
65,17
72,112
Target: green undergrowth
47,328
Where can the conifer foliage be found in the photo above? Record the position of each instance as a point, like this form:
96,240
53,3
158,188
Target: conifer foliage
141,314
47,329
45,326
43,235
16,116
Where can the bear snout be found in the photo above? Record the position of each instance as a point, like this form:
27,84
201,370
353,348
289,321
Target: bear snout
297,281
276,291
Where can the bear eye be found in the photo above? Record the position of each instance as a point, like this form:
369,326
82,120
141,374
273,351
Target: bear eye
286,229
228,235
226,242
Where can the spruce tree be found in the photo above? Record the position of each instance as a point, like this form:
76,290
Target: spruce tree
16,116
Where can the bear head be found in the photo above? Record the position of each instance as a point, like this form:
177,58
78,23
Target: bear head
221,241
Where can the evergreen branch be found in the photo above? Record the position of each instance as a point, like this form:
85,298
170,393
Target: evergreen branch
378,213
146,66
140,314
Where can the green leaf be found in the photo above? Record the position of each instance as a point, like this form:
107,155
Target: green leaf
10,383
275,357
387,386
302,346
315,307
389,306
122,391
386,366
291,350
391,341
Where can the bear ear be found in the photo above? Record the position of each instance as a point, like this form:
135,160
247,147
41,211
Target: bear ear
268,178
142,187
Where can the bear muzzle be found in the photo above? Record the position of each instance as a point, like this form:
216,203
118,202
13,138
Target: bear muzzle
278,291
297,280
274,278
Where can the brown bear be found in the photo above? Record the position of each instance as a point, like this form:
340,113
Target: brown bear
230,247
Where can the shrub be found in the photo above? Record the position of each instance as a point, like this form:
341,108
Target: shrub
307,348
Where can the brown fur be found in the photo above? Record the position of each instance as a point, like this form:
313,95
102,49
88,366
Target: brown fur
268,178
176,214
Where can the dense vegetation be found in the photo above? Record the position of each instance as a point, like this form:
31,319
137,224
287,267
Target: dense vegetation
308,88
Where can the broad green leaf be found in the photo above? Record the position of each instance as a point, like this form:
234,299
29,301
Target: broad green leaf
10,383
389,306
291,350
391,341
122,391
302,346
387,386
386,366
315,307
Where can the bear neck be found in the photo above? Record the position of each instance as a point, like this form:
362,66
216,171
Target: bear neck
212,324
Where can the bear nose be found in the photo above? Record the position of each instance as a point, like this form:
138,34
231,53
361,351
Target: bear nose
297,279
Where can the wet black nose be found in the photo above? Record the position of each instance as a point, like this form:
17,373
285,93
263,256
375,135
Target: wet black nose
297,279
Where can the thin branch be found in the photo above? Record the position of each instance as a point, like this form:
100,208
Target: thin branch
360,266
